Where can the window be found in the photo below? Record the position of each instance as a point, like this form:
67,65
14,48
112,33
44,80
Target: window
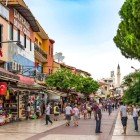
36,40
0,35
40,44
11,34
25,41
49,50
18,37
30,45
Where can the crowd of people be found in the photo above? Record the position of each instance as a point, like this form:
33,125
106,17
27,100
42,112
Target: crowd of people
73,112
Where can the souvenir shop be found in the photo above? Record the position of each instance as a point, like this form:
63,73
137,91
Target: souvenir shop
8,99
16,96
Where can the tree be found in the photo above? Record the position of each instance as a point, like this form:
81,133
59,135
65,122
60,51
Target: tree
65,80
87,85
128,33
62,80
132,94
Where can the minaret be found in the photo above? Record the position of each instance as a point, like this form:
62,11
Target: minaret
118,76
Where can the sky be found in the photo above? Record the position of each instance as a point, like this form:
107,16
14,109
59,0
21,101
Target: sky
83,31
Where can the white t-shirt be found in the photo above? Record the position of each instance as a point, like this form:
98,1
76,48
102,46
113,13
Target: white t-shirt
48,108
76,111
68,110
135,112
123,110
28,108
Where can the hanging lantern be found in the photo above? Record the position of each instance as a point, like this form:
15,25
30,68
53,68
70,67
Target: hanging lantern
3,88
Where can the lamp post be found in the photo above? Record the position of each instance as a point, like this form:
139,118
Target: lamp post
134,69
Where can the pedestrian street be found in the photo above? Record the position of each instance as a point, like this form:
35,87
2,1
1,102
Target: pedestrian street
37,130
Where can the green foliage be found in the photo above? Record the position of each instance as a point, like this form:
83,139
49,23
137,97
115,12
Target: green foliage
132,94
65,80
87,85
128,33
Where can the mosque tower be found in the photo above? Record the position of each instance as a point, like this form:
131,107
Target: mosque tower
118,76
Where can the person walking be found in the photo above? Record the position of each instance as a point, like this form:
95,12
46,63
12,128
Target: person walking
135,116
48,108
68,113
56,112
109,108
76,115
89,111
123,115
98,117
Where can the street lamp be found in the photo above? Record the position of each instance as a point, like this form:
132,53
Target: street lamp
134,68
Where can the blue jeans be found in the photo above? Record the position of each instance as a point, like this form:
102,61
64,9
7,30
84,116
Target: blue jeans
98,126
136,122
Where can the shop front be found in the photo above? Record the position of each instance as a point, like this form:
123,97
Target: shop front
8,99
32,98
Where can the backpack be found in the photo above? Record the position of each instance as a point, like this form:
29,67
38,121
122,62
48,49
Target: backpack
57,109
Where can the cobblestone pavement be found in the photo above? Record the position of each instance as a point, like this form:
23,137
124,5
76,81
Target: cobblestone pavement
85,130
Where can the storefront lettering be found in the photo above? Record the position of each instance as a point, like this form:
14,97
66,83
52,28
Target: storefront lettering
21,28
21,23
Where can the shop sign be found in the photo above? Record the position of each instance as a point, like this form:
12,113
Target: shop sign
3,88
21,23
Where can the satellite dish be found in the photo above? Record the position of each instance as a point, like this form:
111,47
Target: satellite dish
59,57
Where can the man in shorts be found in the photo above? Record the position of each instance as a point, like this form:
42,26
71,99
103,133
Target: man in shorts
76,115
68,113
123,115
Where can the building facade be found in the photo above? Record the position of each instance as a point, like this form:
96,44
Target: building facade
21,29
4,26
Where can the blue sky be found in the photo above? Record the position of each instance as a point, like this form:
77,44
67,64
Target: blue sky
83,31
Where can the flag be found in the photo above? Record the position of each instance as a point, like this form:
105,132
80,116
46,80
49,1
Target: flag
1,52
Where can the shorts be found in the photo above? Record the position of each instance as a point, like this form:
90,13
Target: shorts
124,121
75,118
68,117
56,114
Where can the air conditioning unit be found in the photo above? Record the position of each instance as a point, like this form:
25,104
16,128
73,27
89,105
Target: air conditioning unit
12,66
19,68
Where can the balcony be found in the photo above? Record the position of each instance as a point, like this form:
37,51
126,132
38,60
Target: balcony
41,78
40,54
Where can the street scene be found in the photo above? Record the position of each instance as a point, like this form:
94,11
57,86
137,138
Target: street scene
69,70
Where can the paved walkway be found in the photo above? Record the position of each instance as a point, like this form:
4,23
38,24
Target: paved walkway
131,134
36,130
85,130
25,129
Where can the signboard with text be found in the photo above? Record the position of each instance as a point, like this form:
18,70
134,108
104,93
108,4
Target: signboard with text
21,23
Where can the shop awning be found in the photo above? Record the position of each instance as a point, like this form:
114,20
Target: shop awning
58,93
26,80
13,89
8,76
